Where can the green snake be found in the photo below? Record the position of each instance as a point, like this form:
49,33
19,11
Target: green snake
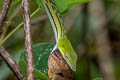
62,42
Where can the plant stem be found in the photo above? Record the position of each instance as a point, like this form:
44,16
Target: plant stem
4,11
28,41
14,30
6,27
11,63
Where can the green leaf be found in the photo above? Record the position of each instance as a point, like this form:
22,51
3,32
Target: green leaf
99,78
22,66
39,2
73,2
1,4
63,5
41,54
38,75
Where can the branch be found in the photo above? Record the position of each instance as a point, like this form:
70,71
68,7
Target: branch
4,12
28,42
6,27
102,41
17,27
11,63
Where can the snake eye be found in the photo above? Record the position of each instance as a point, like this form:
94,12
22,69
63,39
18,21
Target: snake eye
66,56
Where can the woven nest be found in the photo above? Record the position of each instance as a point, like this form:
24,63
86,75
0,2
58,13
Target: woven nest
59,69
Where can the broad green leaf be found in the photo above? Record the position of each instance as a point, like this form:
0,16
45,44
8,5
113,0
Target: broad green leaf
63,5
22,66
41,54
38,75
72,2
95,74
39,2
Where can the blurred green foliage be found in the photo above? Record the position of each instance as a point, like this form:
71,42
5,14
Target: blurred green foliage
42,32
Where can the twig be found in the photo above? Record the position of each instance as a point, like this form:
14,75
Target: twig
14,30
6,27
28,42
11,63
101,35
4,12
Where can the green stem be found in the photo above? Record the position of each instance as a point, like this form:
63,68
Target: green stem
14,30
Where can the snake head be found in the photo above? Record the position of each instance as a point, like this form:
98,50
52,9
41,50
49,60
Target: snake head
67,52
